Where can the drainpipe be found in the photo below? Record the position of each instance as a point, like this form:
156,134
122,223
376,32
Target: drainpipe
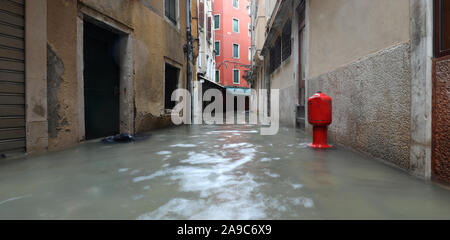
252,39
189,50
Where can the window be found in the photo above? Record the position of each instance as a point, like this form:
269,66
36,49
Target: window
217,48
249,30
250,54
281,49
170,85
301,13
217,76
275,55
170,7
286,41
209,30
441,28
235,25
236,3
201,14
236,76
235,50
217,22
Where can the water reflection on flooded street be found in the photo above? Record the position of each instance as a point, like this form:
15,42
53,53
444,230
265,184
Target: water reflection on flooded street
213,172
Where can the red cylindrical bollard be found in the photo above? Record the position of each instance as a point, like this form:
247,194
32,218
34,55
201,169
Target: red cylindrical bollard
320,116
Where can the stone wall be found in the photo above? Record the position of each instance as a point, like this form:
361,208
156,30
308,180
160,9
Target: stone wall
62,84
441,120
371,104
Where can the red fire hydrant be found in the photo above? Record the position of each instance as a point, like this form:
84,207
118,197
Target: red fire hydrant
320,116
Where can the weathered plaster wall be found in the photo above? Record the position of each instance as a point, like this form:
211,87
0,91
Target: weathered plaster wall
341,31
119,10
62,73
36,75
260,27
285,78
156,41
371,104
152,40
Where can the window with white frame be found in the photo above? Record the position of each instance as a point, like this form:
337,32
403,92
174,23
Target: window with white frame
170,9
236,76
209,30
235,50
249,54
217,22
236,3
235,25
217,48
217,76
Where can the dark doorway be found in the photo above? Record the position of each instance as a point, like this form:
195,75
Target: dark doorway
171,84
246,106
101,82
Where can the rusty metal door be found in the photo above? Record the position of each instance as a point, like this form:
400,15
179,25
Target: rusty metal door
441,93
12,76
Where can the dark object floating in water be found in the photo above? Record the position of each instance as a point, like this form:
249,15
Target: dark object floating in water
119,138
124,138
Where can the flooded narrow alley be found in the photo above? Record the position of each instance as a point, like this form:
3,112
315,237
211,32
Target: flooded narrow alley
213,172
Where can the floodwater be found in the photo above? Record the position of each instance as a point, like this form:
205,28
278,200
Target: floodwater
213,172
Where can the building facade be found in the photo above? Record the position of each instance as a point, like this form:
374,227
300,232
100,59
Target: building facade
386,81
206,59
206,62
232,42
79,70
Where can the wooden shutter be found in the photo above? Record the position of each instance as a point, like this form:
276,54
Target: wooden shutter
12,76
209,28
201,14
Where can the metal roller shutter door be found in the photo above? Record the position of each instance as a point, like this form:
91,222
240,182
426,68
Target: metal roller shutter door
12,76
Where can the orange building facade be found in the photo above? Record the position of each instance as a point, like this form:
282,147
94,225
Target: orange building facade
232,42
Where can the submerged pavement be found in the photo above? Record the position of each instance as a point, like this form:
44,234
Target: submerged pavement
213,172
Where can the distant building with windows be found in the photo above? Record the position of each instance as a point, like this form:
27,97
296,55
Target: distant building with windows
206,62
232,43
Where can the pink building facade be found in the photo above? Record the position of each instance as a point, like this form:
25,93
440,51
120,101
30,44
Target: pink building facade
232,42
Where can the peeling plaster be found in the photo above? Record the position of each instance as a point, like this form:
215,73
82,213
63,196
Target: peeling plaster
55,68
